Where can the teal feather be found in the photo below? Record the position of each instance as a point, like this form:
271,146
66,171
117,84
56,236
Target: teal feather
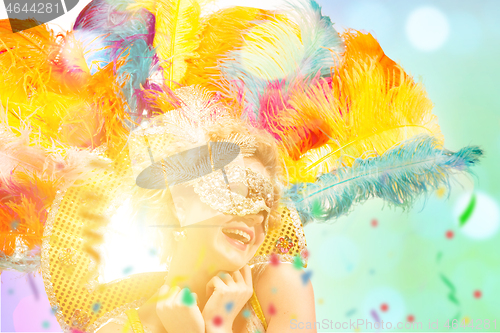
412,168
125,34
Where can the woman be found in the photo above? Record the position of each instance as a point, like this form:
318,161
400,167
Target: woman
209,260
348,122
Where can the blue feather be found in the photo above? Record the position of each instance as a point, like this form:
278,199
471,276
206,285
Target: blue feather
414,167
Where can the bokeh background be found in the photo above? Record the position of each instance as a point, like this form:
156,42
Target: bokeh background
435,262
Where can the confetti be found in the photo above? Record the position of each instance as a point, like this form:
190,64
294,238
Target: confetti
305,254
14,224
374,223
384,307
96,307
274,290
477,294
449,234
217,321
293,316
46,324
11,291
274,259
320,301
212,268
54,309
187,297
246,313
451,296
297,262
410,318
229,306
33,286
440,192
375,315
152,252
306,276
127,270
271,309
176,280
468,211
350,312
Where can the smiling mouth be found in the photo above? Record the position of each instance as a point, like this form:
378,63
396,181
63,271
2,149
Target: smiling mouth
237,235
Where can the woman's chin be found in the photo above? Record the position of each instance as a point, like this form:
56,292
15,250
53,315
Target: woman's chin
232,255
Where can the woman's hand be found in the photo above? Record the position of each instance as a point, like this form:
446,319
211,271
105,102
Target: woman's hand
178,311
228,294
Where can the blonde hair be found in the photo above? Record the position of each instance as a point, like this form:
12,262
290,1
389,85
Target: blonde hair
151,205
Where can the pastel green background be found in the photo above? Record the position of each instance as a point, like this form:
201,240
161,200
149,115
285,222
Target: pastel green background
404,261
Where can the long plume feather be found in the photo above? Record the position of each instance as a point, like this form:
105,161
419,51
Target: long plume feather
414,167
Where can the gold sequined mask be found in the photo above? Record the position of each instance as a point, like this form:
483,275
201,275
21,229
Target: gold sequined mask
236,190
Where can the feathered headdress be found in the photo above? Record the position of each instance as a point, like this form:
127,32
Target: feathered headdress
349,122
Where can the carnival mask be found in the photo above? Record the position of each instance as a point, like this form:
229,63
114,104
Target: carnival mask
219,177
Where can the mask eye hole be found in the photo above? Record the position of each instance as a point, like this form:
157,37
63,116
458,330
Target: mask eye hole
239,188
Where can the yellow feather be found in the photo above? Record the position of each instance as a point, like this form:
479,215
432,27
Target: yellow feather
360,115
222,32
178,27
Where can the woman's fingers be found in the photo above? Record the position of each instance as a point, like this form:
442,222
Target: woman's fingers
214,283
238,278
246,272
226,278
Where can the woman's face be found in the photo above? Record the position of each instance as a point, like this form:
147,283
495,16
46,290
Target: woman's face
226,242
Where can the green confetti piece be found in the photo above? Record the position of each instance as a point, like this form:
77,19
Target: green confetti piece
438,256
468,211
451,296
187,297
128,270
297,262
246,313
316,208
45,324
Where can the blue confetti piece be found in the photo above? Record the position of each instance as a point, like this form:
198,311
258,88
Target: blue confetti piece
306,276
45,324
229,306
54,309
350,312
127,270
96,307
11,291
14,224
